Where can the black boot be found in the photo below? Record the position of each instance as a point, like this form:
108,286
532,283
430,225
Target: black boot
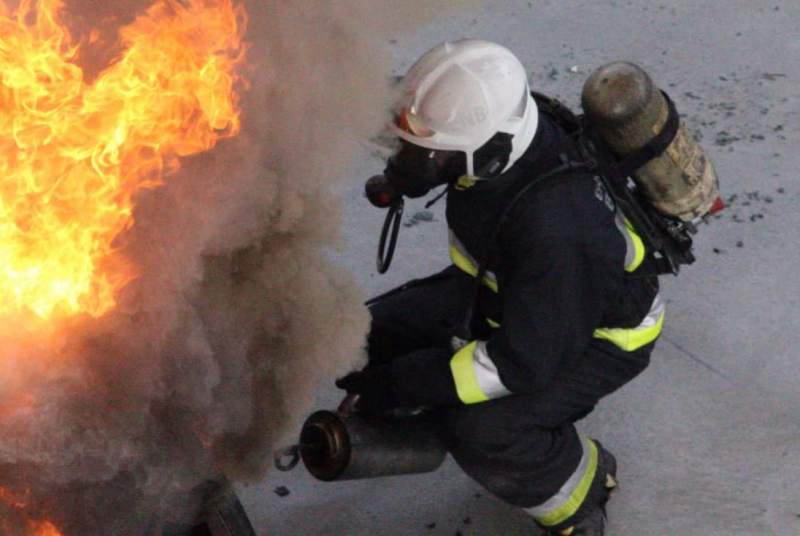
594,522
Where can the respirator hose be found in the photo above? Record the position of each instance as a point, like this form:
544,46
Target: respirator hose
390,225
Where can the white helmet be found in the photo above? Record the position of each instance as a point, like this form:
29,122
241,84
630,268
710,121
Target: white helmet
469,97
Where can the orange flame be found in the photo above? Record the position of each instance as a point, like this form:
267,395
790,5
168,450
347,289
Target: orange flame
73,154
11,499
28,527
45,529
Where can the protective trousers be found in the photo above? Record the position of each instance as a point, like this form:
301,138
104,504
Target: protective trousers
524,449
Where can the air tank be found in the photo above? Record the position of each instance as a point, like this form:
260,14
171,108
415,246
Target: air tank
626,108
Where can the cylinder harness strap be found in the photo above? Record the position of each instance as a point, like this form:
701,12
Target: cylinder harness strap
655,147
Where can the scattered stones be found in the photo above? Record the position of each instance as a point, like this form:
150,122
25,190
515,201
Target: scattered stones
725,138
754,202
745,207
282,491
422,216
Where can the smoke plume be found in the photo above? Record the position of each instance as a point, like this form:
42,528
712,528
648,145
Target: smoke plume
214,352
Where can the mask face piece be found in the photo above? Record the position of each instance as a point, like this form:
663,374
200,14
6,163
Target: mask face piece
414,171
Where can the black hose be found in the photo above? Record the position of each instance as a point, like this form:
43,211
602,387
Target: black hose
393,219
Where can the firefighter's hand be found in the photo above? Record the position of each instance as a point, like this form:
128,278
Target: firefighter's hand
374,384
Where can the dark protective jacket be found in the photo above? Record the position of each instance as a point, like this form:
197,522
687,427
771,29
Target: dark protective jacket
561,277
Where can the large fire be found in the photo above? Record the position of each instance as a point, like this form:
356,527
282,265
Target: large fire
75,149
74,153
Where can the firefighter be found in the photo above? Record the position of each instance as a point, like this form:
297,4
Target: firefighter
546,297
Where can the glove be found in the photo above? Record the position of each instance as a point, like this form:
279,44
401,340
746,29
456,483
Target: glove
374,385
421,378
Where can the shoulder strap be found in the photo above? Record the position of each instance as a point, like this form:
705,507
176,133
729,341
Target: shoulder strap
558,111
463,331
578,148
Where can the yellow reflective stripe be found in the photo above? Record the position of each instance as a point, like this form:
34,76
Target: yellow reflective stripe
631,339
626,339
638,247
464,375
578,496
460,260
464,183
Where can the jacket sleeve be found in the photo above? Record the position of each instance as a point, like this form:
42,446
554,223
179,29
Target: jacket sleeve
562,256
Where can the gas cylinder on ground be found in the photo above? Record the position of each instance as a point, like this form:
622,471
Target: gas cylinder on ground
350,445
623,104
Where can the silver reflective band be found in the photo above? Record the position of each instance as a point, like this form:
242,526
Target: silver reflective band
630,339
486,373
570,497
634,248
654,316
